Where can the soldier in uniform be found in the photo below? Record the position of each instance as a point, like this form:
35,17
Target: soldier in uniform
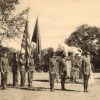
31,69
4,70
22,63
52,70
63,69
86,67
15,69
75,68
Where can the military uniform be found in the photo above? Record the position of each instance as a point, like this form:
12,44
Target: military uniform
75,69
86,72
15,70
31,69
22,71
63,71
52,72
4,71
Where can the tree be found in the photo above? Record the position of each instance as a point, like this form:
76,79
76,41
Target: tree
6,8
87,38
11,26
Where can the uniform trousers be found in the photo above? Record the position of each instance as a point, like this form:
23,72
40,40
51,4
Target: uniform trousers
86,79
63,78
22,78
4,77
15,78
52,80
30,78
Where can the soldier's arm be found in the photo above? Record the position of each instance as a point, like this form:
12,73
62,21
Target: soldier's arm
49,66
83,69
7,62
1,67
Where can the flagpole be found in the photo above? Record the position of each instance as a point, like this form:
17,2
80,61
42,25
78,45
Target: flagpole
20,51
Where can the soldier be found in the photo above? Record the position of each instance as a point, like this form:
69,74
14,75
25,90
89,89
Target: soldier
75,68
31,69
4,70
52,70
63,69
22,63
15,70
86,70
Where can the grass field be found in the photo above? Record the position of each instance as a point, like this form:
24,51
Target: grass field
40,90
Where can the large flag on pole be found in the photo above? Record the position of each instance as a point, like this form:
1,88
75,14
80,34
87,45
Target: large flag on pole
36,38
26,41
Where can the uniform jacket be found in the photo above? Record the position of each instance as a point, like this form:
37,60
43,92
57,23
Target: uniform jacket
86,66
63,66
15,64
31,66
22,63
52,66
4,64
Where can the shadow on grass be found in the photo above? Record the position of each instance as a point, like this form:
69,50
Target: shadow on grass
46,89
41,80
69,90
67,82
34,88
97,78
40,89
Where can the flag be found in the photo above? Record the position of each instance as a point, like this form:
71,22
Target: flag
26,41
36,38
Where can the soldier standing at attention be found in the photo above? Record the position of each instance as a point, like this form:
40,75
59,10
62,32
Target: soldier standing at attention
15,70
63,69
52,70
22,63
31,69
4,70
86,67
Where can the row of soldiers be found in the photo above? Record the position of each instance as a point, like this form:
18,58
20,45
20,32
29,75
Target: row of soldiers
84,63
17,65
54,65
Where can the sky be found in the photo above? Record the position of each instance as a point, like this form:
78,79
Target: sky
59,18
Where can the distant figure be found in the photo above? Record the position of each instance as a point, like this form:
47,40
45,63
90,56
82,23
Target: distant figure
4,70
15,70
52,70
63,69
69,63
75,69
22,69
86,70
31,69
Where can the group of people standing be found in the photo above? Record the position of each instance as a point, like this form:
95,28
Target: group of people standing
55,66
84,63
17,65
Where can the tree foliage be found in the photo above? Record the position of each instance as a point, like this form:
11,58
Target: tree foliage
6,6
87,38
10,25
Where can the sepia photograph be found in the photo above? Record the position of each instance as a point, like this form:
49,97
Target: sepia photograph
49,49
